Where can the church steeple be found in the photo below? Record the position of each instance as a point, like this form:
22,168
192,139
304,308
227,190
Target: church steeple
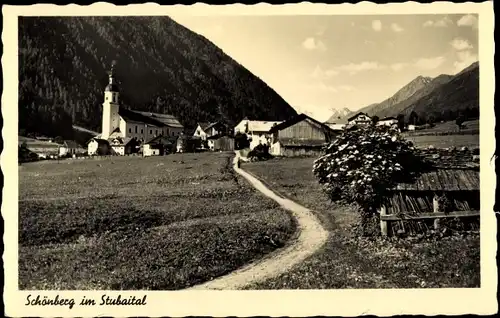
112,87
111,107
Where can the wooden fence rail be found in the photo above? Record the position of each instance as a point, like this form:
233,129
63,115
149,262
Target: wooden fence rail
436,215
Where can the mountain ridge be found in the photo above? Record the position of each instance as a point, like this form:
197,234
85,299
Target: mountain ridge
442,96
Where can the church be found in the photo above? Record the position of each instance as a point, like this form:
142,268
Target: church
123,130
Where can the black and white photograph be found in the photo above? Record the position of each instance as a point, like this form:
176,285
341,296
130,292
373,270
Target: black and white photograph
262,152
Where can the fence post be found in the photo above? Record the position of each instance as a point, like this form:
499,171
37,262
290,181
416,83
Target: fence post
383,223
435,204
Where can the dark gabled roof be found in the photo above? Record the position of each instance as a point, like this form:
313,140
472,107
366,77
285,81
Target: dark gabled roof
295,119
165,119
161,139
130,115
71,144
100,141
204,125
217,136
356,115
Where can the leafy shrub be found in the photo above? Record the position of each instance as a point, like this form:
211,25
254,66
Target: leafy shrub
363,163
260,152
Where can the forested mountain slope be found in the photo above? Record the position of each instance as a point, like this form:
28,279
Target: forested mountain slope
161,66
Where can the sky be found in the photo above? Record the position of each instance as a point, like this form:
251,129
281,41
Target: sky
322,62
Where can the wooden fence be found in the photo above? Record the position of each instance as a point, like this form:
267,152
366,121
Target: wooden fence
437,214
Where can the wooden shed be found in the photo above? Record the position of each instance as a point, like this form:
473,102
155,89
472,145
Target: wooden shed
221,143
433,195
300,136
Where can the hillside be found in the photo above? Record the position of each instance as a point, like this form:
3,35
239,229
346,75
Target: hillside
459,94
402,94
398,108
161,66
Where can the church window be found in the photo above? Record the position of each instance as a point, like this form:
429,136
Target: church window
151,131
172,133
142,131
130,130
136,129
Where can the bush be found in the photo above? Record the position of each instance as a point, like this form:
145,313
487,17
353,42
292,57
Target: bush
260,152
362,164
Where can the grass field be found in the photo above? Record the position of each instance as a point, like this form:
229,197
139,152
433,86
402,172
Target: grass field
350,262
445,141
140,223
450,127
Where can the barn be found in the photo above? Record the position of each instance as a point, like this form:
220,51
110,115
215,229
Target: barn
159,146
449,189
221,143
301,135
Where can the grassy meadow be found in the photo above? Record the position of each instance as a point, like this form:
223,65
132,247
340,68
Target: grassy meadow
445,141
347,261
158,223
446,135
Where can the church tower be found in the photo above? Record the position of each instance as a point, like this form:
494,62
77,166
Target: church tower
110,117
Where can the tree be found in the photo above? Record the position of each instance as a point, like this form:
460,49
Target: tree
362,164
401,122
431,120
375,120
459,121
241,141
413,118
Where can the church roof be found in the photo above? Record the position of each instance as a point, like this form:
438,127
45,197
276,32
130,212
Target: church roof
133,116
165,119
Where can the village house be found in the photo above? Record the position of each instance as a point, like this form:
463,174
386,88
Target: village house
120,125
300,135
258,132
221,142
43,149
159,146
387,121
70,147
205,130
359,119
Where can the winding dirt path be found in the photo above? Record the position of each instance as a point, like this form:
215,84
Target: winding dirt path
311,237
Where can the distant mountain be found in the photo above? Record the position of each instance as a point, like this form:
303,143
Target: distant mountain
400,107
404,93
339,115
161,67
460,93
443,97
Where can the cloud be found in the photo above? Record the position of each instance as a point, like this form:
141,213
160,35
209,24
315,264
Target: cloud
321,86
464,59
439,23
460,44
376,25
396,27
320,73
468,20
354,68
320,31
313,44
398,66
429,63
345,88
